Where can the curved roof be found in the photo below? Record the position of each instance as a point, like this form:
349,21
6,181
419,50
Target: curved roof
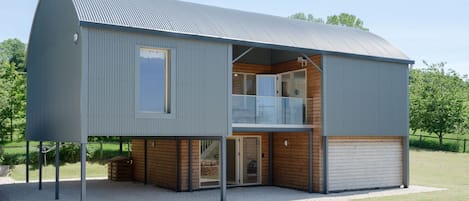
238,27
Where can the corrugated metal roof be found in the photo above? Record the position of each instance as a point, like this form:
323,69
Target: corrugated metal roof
237,26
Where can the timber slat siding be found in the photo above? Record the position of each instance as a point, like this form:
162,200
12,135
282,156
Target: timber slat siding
184,165
251,68
290,163
161,163
138,159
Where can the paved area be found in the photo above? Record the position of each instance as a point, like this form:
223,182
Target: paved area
102,190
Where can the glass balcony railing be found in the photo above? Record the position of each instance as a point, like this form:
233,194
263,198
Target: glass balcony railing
271,110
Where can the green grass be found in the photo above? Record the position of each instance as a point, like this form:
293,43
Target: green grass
67,171
437,169
14,153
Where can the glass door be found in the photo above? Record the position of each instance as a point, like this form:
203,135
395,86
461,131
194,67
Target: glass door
265,100
250,158
293,88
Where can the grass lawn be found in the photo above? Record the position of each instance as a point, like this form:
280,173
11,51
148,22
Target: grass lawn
437,169
67,171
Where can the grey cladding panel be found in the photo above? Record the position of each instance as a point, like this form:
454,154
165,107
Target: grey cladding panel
202,86
54,74
365,98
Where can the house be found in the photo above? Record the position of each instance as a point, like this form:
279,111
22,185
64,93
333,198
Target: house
216,97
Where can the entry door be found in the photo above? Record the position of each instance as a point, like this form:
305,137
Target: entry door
251,160
243,160
266,99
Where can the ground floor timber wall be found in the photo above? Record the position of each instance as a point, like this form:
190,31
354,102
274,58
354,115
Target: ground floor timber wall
162,160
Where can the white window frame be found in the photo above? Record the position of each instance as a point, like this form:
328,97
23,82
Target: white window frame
170,90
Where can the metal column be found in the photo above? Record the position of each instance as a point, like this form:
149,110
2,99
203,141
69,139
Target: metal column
145,161
40,165
83,172
223,168
190,165
325,164
271,153
27,161
177,164
406,161
120,146
310,161
57,169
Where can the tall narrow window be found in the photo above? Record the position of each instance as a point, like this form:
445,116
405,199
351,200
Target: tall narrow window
154,80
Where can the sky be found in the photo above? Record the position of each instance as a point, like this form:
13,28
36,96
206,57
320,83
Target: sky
431,30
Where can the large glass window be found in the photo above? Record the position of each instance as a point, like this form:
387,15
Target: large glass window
209,163
244,84
154,80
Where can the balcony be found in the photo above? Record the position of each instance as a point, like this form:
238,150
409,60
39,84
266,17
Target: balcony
271,111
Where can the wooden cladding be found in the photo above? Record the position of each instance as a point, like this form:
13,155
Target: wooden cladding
162,160
290,163
251,68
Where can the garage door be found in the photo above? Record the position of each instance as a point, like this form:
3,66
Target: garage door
364,163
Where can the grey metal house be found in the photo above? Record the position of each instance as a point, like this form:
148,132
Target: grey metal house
215,97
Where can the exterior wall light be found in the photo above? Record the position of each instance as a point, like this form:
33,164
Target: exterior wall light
75,38
302,61
285,142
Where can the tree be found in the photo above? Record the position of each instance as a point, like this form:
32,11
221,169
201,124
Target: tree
13,51
438,99
348,20
13,87
343,19
309,18
417,107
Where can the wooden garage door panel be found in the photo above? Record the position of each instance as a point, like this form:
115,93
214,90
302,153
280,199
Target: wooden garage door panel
361,164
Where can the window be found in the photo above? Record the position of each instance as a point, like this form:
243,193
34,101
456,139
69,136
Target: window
244,84
153,82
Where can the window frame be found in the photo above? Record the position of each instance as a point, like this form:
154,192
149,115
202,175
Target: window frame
170,89
245,89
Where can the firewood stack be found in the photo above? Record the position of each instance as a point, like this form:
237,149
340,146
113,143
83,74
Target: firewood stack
120,169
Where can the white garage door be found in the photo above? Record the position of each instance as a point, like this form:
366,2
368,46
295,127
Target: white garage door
364,163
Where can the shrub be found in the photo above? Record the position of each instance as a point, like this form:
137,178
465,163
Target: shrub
433,144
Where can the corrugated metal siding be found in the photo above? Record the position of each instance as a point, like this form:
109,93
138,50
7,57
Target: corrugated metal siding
202,82
54,75
212,22
364,163
367,98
